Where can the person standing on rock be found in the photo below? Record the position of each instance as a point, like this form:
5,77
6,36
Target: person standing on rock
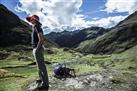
38,51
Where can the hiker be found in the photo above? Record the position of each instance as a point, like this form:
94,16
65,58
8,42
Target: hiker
38,51
61,71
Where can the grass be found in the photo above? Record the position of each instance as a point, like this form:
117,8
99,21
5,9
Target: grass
125,62
10,84
14,83
19,67
84,45
13,80
12,63
84,68
60,56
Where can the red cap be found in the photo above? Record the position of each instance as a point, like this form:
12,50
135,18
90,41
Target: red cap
33,17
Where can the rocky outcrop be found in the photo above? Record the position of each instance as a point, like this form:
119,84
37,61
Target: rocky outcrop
99,81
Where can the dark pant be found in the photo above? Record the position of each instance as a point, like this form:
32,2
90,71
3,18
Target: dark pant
39,58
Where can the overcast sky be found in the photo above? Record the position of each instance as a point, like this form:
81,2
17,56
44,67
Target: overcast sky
58,15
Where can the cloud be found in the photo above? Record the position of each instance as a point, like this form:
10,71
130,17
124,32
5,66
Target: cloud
107,22
54,14
121,6
60,15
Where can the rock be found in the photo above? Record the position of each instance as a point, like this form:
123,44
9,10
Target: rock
98,81
32,87
96,77
93,83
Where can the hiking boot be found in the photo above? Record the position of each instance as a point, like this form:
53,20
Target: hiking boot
38,82
43,88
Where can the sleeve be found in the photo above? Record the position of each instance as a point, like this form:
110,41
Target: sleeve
39,29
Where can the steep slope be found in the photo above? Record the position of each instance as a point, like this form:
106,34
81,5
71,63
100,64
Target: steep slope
13,30
120,38
129,20
73,38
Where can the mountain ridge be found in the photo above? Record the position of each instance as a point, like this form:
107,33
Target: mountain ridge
72,39
13,30
122,37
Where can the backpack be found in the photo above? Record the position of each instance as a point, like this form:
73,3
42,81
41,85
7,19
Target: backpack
61,71
58,70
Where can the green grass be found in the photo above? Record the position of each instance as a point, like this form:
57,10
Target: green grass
60,56
10,84
125,62
14,83
13,80
84,68
84,45
30,73
12,63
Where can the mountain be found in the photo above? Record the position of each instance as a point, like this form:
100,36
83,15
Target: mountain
73,38
122,37
13,30
131,19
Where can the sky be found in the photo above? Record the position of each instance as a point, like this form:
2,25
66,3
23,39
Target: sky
60,15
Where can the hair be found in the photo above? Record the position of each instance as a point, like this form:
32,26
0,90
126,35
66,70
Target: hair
38,23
